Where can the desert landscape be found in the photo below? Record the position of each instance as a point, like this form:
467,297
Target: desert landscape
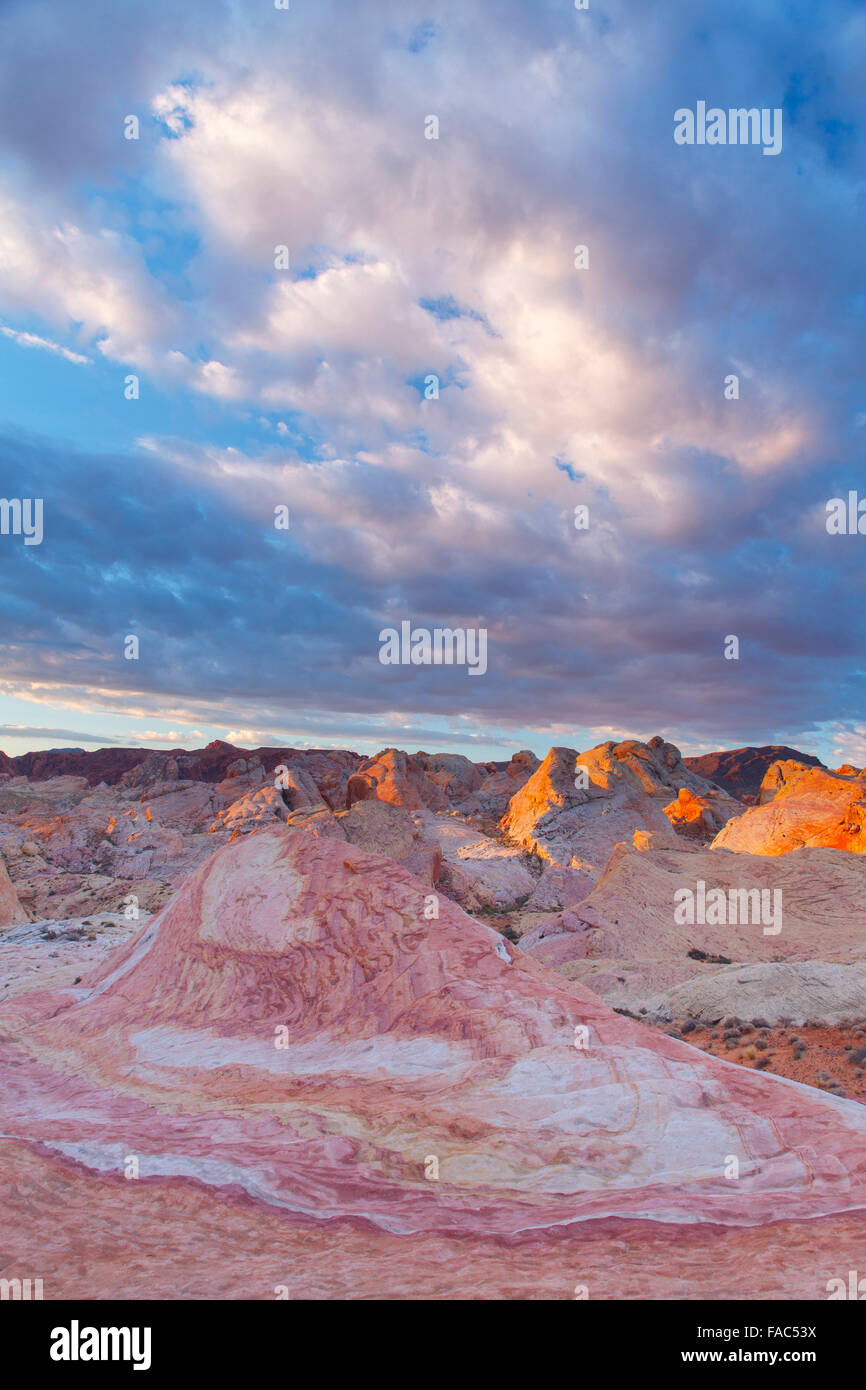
432,692
414,1026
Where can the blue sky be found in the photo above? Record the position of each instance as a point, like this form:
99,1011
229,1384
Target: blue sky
303,387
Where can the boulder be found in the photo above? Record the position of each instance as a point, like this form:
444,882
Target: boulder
480,873
699,815
251,811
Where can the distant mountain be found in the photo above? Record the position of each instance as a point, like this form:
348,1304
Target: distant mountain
102,765
741,770
110,764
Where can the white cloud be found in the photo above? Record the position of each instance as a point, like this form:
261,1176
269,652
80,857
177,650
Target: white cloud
33,340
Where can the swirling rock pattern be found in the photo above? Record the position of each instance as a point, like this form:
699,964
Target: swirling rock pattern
324,1087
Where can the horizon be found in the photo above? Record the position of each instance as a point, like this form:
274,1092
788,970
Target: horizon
336,747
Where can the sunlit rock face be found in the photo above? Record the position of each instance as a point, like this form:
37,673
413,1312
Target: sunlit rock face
414,781
740,771
800,807
576,807
307,1048
700,815
440,782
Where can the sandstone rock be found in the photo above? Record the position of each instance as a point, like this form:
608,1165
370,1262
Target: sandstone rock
298,788
741,770
454,773
242,775
252,811
44,798
638,949
628,786
558,888
380,828
437,782
189,807
291,1029
480,873
11,911
778,775
52,954
656,839
318,820
152,769
392,776
810,807
523,762
798,991
61,896
699,816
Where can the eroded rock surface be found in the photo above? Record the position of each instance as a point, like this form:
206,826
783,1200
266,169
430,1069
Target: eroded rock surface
577,806
629,940
291,1042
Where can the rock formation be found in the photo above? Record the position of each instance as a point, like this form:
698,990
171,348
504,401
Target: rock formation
251,812
701,815
740,771
625,941
576,807
801,806
796,991
11,911
312,1075
380,828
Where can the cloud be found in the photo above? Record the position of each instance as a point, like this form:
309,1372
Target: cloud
66,736
454,257
33,340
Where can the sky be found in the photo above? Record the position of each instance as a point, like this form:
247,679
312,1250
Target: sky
600,384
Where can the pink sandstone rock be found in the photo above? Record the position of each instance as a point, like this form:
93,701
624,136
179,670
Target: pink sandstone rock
439,781
478,872
392,776
303,1063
